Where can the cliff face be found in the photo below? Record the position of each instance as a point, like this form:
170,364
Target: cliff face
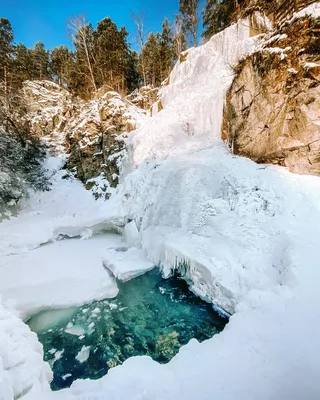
272,111
95,139
91,133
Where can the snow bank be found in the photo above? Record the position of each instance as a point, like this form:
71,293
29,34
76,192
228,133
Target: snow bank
22,369
65,210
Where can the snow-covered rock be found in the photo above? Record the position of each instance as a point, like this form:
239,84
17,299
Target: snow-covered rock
91,132
144,97
96,138
49,106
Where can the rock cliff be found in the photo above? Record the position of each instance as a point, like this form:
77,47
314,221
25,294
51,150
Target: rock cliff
272,111
91,133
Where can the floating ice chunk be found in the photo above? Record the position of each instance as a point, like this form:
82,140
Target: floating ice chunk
66,376
75,330
83,354
57,355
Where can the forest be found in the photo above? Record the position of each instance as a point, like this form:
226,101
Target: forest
103,56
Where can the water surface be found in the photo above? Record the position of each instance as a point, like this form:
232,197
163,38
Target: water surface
150,316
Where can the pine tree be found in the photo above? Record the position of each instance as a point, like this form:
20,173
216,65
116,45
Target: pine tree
6,51
40,58
151,56
133,78
22,65
189,12
217,15
61,64
167,51
111,52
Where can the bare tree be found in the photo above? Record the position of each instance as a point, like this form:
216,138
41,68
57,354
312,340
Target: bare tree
179,36
189,11
139,21
78,29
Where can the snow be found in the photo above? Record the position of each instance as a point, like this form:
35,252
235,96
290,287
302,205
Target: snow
126,264
22,369
310,65
312,10
71,268
245,235
48,215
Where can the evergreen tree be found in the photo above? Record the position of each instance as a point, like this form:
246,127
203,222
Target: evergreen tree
111,53
134,78
6,51
151,56
189,12
22,65
40,58
167,51
61,64
217,15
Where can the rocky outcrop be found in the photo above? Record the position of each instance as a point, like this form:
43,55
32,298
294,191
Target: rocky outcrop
91,133
144,97
49,106
96,139
272,111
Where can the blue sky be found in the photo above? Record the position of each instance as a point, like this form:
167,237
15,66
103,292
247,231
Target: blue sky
44,20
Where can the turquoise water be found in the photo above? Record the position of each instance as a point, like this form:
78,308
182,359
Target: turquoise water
150,316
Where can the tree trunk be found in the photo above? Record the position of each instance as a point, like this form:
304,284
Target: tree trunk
195,27
89,64
5,81
143,72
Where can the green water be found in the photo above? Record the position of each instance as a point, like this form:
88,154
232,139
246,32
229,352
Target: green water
150,316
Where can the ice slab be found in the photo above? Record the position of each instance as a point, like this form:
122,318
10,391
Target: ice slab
126,264
60,274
